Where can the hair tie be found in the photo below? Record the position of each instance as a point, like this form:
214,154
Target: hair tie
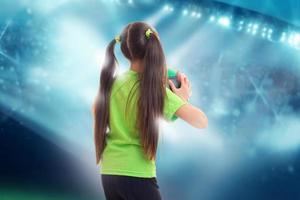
118,39
148,33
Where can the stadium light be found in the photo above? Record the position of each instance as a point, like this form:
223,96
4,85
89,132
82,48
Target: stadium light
212,18
168,8
296,41
224,21
193,14
185,12
283,37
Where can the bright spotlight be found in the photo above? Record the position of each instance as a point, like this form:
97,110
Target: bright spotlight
193,14
255,26
185,12
168,8
224,21
212,18
254,29
296,39
198,15
241,22
282,38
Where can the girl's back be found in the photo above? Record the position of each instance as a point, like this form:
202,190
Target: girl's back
124,154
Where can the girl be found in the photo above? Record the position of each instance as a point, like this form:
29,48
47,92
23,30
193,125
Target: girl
127,110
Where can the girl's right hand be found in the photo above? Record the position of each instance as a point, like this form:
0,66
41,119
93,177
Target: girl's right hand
185,90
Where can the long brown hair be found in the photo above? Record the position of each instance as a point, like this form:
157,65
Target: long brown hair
152,81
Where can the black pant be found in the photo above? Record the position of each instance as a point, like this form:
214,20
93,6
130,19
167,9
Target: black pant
117,187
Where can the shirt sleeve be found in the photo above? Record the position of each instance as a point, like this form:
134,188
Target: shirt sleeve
172,104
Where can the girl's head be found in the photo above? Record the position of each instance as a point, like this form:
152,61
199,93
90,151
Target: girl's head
139,42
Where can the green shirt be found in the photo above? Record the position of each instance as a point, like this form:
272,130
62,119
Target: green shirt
123,154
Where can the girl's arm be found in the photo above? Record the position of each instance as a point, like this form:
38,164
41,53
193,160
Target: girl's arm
192,115
189,113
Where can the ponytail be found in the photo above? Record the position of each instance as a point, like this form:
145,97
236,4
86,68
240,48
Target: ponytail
101,104
152,93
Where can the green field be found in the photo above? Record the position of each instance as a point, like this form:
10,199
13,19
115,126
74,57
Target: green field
14,194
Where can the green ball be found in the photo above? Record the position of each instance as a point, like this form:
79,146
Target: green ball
172,75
